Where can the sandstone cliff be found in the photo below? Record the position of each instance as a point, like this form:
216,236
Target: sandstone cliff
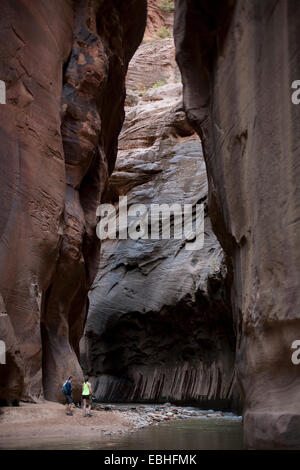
238,60
159,325
64,65
160,17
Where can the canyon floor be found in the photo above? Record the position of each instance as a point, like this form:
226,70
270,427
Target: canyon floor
48,421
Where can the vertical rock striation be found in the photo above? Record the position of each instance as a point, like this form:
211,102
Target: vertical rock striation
64,65
238,61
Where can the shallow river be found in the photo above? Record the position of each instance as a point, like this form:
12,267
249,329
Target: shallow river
189,434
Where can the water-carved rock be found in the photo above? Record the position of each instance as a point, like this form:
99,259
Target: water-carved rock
64,65
238,61
159,326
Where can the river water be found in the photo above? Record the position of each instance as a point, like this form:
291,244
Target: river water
190,434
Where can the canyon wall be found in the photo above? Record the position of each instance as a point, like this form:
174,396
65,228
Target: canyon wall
160,18
238,61
64,65
163,321
159,325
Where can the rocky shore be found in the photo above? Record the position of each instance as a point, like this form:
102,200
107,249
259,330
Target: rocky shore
147,415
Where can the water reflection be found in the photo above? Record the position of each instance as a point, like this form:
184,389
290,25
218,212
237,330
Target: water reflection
189,434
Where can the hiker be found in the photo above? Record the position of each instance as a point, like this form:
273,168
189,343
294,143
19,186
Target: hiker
67,391
86,395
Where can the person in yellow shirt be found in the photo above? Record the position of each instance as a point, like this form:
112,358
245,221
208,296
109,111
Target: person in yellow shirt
87,397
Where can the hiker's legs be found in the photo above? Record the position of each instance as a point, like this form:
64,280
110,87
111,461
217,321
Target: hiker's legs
84,406
67,406
69,402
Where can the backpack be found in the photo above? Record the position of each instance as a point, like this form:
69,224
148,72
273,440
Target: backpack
65,388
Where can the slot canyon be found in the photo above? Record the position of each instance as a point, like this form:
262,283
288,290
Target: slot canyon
184,103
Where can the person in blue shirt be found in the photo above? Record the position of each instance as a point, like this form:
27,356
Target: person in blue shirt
67,391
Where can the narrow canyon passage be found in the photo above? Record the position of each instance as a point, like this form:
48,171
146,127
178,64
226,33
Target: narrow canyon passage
159,325
187,102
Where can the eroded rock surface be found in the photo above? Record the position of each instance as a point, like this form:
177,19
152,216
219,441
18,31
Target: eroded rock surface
64,65
160,18
238,61
159,325
153,64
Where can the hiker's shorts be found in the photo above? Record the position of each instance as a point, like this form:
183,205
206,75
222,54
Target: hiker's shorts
69,399
86,397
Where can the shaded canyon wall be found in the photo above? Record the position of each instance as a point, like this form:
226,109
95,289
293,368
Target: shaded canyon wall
238,61
64,65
